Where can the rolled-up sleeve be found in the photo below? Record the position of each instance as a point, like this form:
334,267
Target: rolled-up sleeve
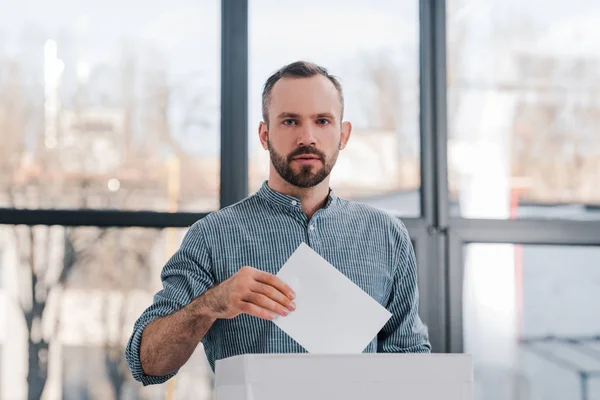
404,332
185,276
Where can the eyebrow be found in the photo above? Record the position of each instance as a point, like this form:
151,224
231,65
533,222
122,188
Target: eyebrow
285,115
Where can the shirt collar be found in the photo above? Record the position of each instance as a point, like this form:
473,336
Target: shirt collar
289,202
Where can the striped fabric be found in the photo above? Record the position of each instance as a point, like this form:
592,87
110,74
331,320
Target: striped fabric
370,247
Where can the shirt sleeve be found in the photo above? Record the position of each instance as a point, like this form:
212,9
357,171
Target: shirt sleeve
185,276
404,332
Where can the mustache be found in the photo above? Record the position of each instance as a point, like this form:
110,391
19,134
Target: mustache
306,150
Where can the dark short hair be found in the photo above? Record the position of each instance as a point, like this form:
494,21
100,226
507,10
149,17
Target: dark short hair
298,69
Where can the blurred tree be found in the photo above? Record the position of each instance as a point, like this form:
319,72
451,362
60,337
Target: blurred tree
38,282
384,105
556,144
130,252
554,147
27,181
74,174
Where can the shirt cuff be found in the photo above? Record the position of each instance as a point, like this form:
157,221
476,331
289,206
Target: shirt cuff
132,354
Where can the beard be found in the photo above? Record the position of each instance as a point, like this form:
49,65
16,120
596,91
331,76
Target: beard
305,177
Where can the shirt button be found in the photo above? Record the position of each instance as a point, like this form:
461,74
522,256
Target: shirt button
312,228
294,202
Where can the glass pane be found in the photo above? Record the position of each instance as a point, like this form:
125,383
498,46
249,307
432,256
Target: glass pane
91,286
523,108
373,48
110,104
532,322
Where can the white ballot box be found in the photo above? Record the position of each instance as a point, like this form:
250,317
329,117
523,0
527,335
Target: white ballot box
345,377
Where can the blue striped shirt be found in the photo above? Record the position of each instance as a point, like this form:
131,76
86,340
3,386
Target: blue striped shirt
370,247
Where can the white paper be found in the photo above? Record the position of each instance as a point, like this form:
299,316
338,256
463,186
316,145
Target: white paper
333,315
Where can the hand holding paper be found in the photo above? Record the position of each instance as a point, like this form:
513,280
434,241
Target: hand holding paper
250,291
333,315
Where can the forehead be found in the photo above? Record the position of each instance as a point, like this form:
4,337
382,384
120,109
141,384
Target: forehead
305,96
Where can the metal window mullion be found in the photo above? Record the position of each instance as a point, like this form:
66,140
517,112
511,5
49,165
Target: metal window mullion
532,232
440,118
433,113
99,218
234,101
454,308
427,111
434,186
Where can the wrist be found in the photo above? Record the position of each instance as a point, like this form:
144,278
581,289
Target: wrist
201,306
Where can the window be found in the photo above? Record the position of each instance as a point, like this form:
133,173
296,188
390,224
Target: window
120,115
106,277
522,109
373,47
531,321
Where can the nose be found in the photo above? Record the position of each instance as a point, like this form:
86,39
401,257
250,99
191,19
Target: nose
307,136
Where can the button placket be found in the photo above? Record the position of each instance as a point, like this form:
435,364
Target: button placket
311,231
313,237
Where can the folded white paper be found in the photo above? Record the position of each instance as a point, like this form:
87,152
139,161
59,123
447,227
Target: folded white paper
333,315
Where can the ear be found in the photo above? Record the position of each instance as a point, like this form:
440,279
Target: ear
346,132
263,134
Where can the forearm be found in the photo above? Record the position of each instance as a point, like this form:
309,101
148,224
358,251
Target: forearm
168,342
159,348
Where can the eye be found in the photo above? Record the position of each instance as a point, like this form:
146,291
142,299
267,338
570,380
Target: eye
322,121
289,122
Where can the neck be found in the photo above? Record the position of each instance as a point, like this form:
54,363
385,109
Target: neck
312,199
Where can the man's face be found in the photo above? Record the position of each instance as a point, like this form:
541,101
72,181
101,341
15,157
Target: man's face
304,135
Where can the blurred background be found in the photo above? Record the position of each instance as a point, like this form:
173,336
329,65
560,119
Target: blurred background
475,121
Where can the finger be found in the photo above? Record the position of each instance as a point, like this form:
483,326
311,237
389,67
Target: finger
265,302
272,280
273,294
253,309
